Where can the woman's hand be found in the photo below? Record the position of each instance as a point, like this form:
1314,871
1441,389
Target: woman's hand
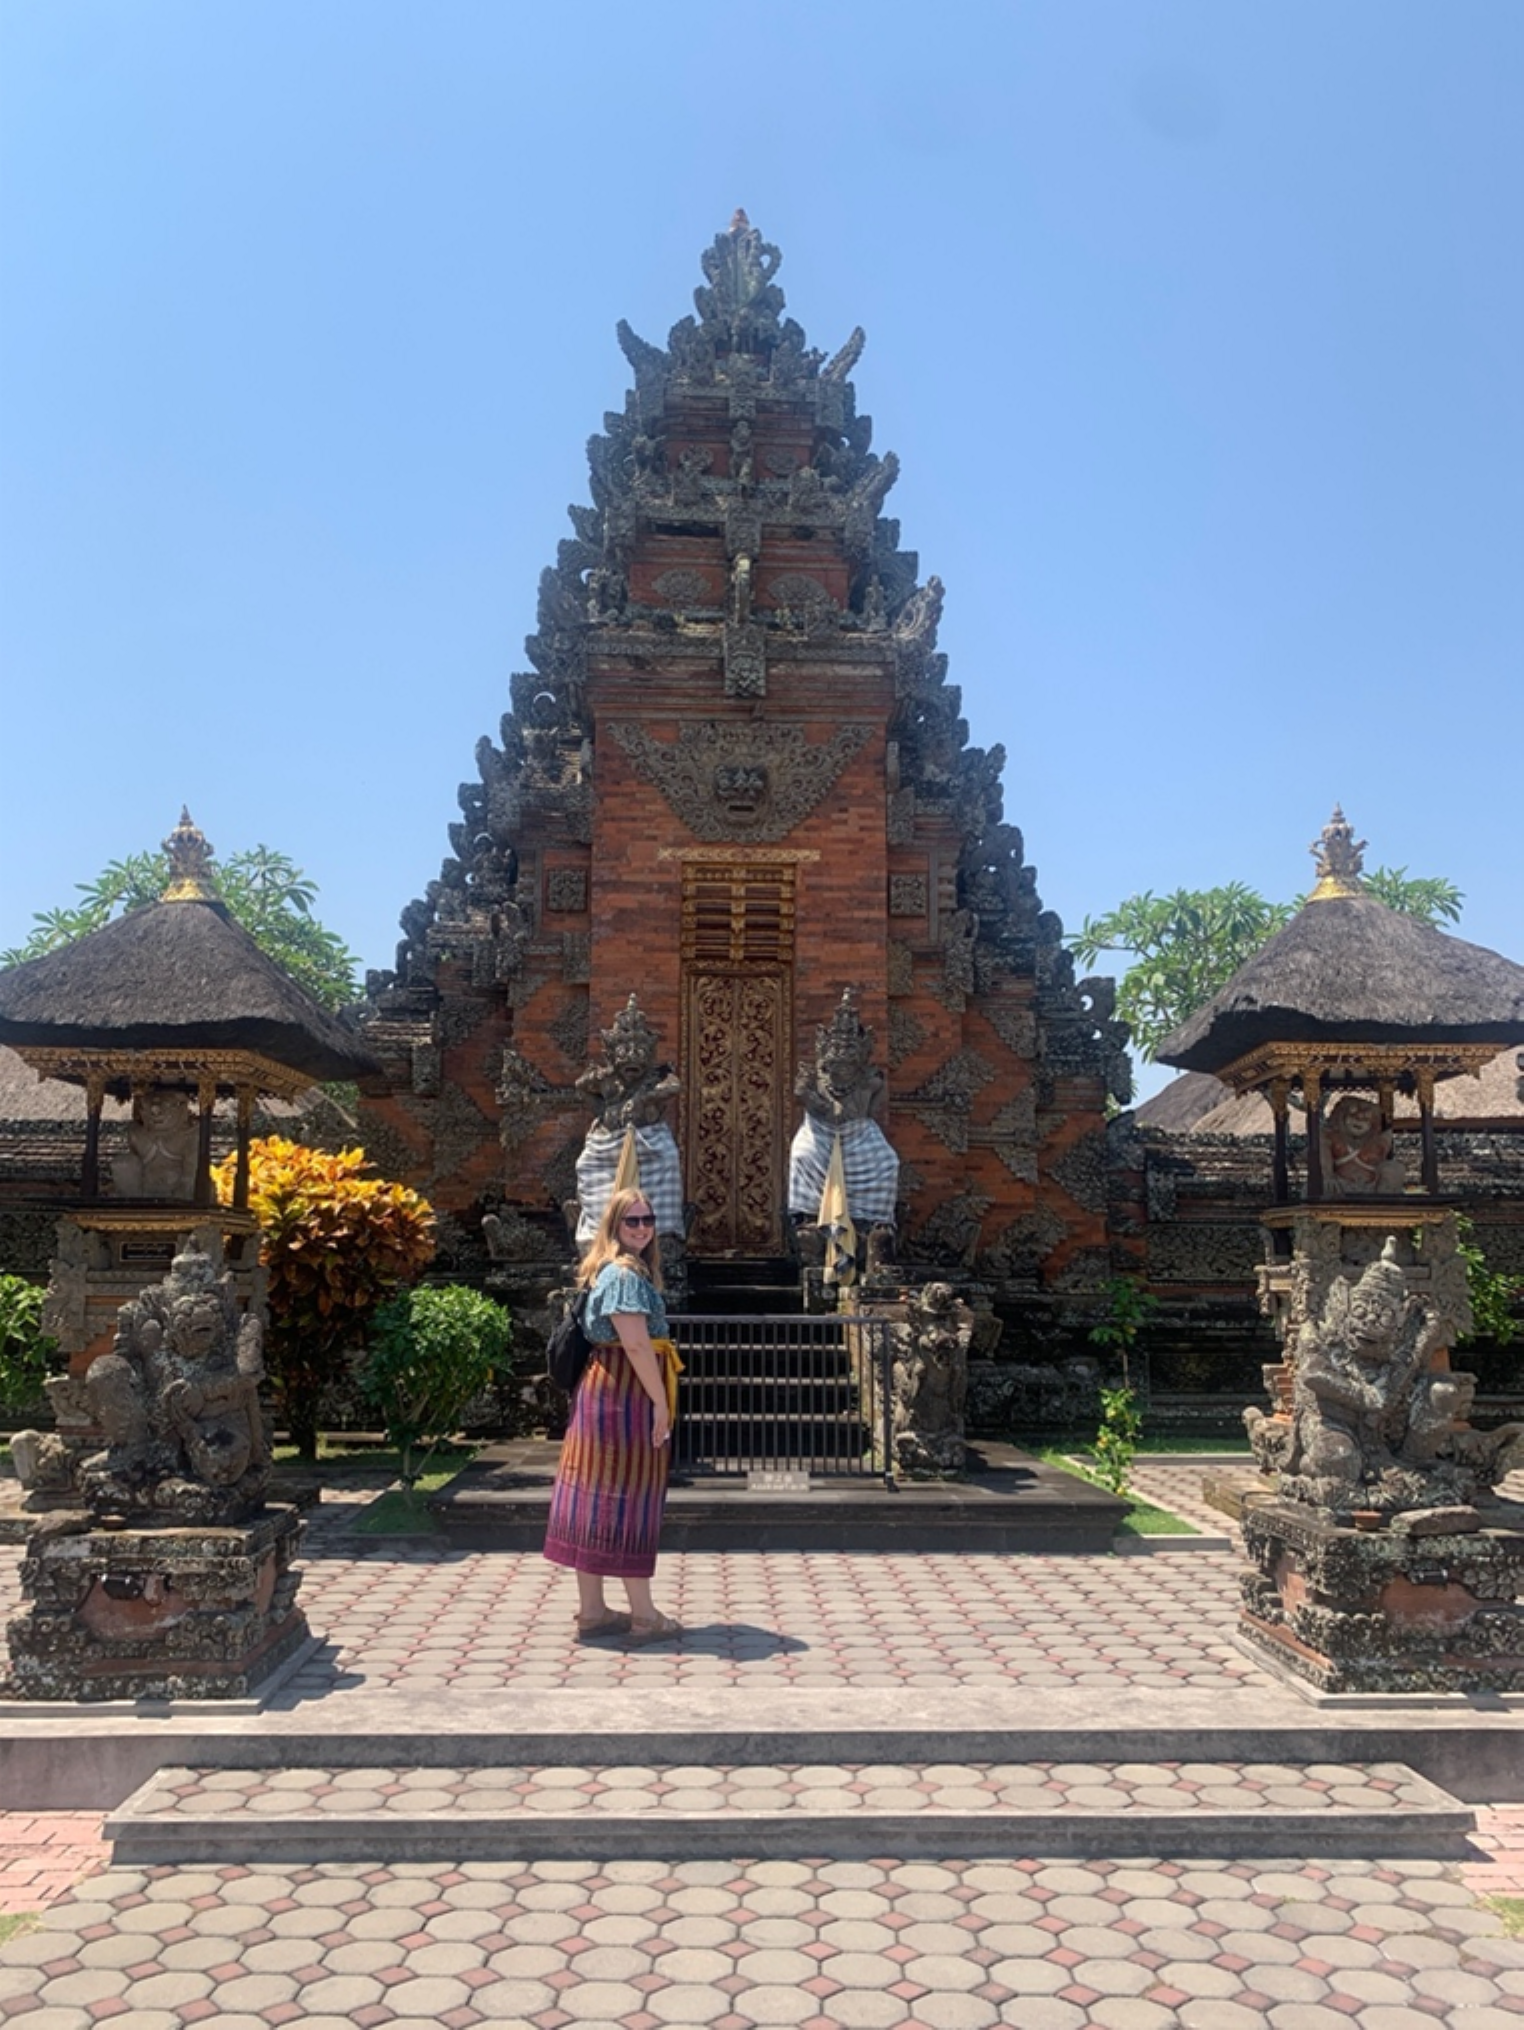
661,1424
635,1338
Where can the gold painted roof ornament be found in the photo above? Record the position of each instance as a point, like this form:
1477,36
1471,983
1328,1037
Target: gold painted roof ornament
190,863
1339,861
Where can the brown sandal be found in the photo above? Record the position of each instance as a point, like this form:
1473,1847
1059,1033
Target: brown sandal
662,1629
611,1622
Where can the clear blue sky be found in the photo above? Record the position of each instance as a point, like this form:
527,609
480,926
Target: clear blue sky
1199,330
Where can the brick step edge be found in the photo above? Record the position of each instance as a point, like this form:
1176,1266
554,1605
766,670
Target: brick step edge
1434,1832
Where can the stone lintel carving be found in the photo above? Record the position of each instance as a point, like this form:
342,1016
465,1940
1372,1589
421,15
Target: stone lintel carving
742,780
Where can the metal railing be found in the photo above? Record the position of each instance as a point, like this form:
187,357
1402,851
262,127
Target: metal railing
787,1398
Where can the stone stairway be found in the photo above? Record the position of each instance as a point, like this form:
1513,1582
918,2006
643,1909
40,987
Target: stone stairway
843,1809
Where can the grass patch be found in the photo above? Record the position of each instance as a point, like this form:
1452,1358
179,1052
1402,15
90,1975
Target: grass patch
16,1922
1511,1910
1151,1443
403,1511
338,1462
1142,1518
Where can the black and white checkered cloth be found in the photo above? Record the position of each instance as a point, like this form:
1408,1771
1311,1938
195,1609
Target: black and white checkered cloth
661,1176
871,1166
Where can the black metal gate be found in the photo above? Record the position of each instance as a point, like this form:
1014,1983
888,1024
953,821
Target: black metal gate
785,1398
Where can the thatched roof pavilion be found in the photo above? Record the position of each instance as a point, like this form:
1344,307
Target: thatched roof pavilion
1353,996
173,995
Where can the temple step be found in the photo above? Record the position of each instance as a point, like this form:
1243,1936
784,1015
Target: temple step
635,1811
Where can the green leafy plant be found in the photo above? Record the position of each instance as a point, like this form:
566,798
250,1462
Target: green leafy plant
1493,1295
337,1245
1128,1309
1187,945
430,1351
27,1353
264,891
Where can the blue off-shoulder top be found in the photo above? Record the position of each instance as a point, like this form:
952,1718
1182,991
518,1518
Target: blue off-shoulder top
622,1290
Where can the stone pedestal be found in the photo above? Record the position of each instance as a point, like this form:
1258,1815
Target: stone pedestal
157,1613
1427,1602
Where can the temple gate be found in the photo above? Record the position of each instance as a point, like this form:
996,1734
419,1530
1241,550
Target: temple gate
736,781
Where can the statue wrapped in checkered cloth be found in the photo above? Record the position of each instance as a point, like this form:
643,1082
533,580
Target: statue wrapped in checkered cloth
631,1090
841,1092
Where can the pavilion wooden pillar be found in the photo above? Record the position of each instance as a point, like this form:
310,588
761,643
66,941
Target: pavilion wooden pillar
1312,1092
245,1126
95,1099
1280,1095
1424,1078
206,1096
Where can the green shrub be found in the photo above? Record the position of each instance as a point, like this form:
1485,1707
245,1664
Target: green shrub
430,1351
27,1354
1116,1442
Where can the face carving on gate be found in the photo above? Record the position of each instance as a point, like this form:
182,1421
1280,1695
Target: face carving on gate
741,790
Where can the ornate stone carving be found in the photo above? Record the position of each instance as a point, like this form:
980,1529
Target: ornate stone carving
566,890
1019,1251
1358,1159
950,1237
683,588
907,895
749,781
943,1101
745,648
630,1088
177,1399
1083,1172
524,1095
930,1381
797,597
900,967
1375,1426
960,933
840,1092
576,957
906,1035
569,1028
160,1158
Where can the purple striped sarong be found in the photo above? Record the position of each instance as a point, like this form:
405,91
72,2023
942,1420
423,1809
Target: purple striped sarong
611,1482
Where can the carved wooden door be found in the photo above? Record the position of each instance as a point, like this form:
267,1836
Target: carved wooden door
737,1033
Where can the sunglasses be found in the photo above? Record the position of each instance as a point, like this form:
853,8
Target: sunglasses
638,1219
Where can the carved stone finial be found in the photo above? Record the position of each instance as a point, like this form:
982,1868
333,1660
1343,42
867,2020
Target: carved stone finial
190,863
1339,860
631,1035
741,305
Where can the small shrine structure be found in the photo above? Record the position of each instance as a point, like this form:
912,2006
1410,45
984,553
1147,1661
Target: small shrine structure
156,1568
167,1008
1387,1562
736,781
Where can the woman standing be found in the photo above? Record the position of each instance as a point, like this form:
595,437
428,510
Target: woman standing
611,1483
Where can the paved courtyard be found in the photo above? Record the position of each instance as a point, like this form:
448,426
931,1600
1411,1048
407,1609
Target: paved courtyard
949,1943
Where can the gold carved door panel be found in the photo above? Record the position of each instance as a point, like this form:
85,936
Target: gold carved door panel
738,952
736,1072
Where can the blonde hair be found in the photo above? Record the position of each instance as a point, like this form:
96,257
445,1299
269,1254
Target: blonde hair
606,1246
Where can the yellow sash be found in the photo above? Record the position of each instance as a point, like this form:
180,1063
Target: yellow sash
671,1368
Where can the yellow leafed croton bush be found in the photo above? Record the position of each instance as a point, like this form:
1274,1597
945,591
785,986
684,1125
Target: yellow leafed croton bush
337,1244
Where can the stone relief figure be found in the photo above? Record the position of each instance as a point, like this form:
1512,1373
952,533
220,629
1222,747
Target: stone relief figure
930,1374
630,1088
177,1399
1357,1152
160,1158
842,1091
1375,1427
